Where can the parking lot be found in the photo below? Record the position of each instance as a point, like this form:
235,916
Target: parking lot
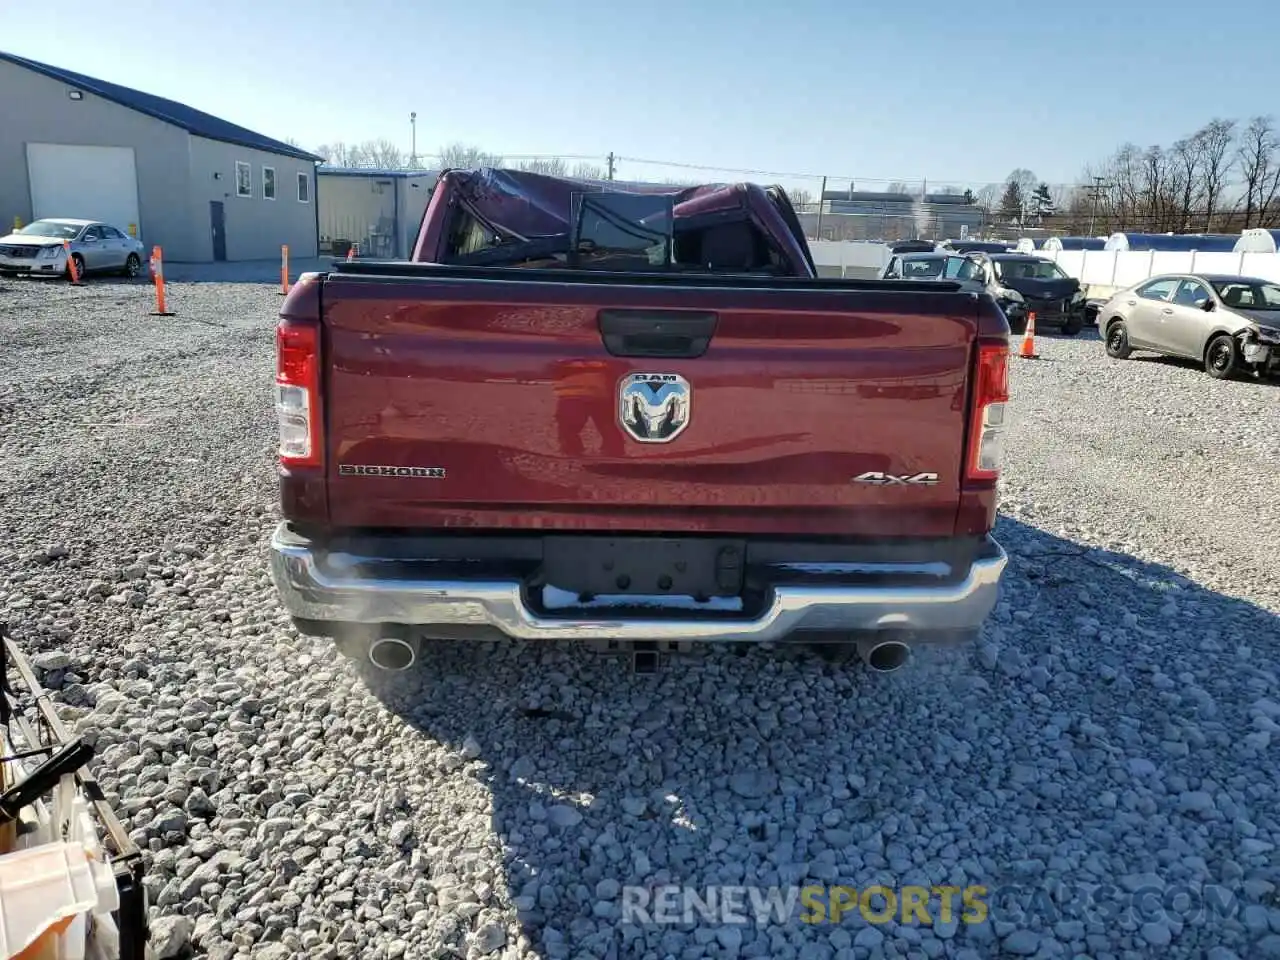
1117,725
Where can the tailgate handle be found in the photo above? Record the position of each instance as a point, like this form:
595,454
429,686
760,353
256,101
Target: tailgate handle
646,333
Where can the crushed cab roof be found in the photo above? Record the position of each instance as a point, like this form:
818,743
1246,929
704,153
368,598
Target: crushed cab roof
536,204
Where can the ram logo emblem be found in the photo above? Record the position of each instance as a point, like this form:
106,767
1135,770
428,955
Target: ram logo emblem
654,407
876,478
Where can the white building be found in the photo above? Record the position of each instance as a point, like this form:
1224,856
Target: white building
202,188
381,210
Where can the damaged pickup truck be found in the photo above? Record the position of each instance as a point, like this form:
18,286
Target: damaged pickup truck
633,415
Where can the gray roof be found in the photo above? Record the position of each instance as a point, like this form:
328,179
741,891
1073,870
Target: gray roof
194,121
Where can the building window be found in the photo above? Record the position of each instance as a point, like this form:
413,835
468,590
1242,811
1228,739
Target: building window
268,183
304,188
244,179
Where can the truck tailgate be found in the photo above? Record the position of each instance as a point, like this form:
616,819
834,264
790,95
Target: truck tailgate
453,401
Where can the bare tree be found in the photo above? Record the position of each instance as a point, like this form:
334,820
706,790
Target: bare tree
897,186
339,154
1259,157
462,156
382,153
556,167
1181,187
989,197
800,198
1125,175
1157,190
1217,137
588,171
551,167
1188,158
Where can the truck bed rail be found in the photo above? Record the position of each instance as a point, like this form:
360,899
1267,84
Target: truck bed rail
674,278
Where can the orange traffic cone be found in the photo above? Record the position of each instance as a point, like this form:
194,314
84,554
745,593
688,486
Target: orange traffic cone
351,253
1028,349
72,271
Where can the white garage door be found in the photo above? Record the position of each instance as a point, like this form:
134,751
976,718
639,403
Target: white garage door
84,183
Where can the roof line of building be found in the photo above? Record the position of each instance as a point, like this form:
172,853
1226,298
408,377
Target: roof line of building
195,122
372,172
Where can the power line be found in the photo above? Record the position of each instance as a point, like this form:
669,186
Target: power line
527,156
768,173
610,161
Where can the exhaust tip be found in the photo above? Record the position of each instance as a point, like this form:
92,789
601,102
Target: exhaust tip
393,654
884,656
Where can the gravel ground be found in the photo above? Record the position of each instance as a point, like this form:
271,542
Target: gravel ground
1116,726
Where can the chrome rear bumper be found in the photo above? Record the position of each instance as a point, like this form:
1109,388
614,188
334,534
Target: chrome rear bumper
313,588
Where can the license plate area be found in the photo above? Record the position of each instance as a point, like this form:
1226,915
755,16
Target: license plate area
644,566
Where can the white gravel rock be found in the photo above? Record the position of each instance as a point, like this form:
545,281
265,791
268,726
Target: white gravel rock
50,660
1116,720
170,936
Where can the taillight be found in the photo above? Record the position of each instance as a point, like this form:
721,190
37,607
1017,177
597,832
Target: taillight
298,394
991,393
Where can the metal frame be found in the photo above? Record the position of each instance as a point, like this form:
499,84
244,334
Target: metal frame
38,721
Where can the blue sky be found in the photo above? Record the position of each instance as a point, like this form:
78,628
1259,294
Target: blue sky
951,92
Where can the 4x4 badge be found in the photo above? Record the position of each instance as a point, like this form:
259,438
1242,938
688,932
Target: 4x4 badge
896,479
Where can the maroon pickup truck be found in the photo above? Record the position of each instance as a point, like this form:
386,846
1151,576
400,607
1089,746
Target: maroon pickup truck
635,416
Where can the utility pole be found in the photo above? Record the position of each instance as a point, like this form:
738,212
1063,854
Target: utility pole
924,192
413,153
822,196
1096,189
610,164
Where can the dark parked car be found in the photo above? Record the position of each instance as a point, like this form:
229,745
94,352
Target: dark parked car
913,246
1023,283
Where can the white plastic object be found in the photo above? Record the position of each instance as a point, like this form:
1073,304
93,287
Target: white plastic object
39,887
65,820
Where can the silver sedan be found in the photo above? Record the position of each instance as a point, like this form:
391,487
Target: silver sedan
37,249
1229,324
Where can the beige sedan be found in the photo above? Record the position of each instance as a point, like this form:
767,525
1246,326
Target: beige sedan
1229,324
